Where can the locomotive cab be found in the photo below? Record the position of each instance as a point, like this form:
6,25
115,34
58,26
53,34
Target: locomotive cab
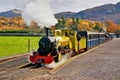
63,39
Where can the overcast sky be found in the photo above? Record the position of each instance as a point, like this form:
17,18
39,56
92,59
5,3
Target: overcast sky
56,5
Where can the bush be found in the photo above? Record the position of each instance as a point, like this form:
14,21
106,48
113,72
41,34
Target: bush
14,31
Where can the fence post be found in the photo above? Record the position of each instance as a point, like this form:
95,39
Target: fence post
28,45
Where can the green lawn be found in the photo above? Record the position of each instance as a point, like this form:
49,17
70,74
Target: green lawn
13,45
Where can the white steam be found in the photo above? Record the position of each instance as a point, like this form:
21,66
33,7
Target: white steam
54,64
39,11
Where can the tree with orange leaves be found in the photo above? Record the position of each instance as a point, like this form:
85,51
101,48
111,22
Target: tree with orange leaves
111,26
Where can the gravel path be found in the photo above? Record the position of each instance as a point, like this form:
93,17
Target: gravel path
102,63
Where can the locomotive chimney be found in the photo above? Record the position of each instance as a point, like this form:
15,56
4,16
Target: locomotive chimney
47,31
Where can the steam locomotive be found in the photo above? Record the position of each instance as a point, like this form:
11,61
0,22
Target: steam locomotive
66,41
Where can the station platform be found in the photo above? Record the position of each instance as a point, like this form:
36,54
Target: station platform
99,63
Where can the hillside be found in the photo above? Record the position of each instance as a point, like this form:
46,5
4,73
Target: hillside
100,13
11,13
14,23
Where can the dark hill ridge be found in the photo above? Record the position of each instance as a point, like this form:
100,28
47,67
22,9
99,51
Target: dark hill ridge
100,13
65,14
11,13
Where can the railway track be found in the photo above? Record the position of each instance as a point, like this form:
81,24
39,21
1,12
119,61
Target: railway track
2,60
18,68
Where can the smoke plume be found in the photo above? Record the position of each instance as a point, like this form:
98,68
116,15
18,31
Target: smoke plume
39,11
55,64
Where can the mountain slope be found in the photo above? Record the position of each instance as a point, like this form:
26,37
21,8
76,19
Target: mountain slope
11,13
100,13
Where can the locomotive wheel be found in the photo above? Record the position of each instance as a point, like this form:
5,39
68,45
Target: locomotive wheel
37,65
56,58
40,61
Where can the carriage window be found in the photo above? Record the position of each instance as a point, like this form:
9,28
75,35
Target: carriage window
82,34
89,36
95,35
92,36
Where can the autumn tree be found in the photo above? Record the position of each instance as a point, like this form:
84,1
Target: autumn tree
34,27
98,28
75,24
61,23
14,23
111,26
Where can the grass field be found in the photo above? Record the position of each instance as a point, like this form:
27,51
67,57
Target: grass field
13,45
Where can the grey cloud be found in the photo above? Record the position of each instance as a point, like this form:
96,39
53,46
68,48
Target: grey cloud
57,5
78,5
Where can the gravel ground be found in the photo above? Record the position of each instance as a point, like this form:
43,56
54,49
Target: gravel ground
10,70
22,74
102,63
